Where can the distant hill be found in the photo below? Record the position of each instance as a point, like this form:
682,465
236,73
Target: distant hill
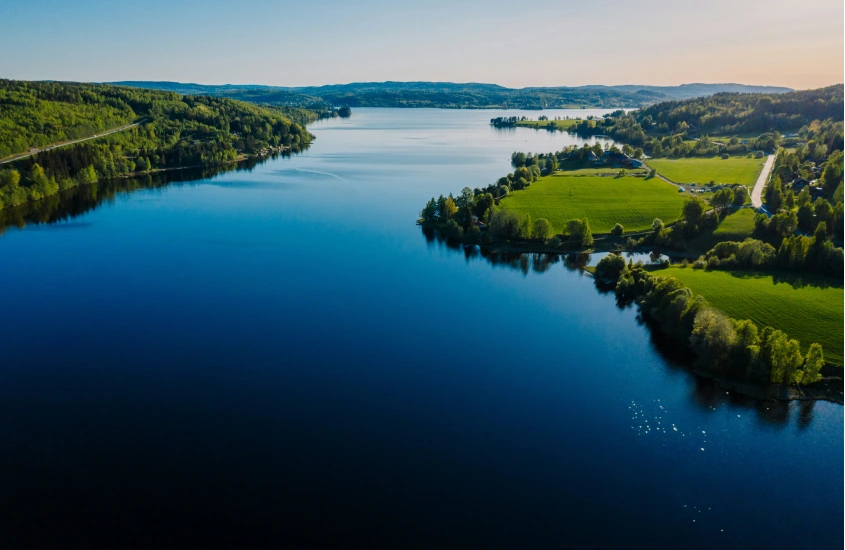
454,95
687,91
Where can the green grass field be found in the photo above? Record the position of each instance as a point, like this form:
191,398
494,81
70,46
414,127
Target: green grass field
808,314
561,124
737,226
604,201
598,171
703,170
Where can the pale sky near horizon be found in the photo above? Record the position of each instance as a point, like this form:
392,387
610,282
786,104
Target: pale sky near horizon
515,44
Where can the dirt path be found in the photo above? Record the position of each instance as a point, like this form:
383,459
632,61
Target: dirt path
66,143
757,193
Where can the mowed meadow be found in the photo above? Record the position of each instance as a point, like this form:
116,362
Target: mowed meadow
544,124
741,170
802,305
737,225
603,201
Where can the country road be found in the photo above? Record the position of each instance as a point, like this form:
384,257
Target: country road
757,193
66,143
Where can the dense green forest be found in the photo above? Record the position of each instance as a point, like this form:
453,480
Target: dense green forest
682,128
455,96
178,131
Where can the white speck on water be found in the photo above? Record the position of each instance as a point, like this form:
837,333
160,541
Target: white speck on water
702,448
676,429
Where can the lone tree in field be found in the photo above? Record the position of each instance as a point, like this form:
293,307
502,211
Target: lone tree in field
617,230
693,211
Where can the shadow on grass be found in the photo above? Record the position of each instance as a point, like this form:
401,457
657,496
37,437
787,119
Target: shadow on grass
795,280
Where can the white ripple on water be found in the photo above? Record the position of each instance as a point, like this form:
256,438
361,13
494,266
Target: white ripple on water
654,412
652,417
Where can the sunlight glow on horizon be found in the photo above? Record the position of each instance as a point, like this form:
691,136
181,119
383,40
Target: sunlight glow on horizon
534,43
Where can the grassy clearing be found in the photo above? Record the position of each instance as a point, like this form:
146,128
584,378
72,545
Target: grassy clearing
740,170
561,124
586,168
807,313
604,201
598,171
737,226
740,137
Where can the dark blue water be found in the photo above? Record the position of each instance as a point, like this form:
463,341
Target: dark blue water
281,355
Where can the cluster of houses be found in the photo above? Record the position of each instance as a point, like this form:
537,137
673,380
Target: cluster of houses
798,183
614,159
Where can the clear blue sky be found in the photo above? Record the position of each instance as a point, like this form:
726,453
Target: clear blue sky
528,43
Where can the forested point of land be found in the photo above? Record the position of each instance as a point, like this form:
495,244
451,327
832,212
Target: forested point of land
750,122
799,234
178,131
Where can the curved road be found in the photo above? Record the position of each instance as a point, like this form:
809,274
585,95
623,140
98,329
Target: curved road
65,143
757,193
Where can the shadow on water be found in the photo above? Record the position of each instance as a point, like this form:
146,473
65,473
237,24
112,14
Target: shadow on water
74,202
705,393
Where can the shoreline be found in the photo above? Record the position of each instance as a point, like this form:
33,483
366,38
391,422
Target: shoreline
240,158
772,392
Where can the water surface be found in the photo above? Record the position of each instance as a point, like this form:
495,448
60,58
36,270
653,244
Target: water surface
281,354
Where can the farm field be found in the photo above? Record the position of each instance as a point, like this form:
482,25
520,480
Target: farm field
808,313
737,226
604,201
561,124
740,170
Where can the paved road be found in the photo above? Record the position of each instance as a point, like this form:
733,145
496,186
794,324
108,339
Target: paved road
757,193
66,143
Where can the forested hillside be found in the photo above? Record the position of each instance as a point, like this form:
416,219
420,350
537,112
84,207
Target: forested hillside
179,131
682,128
742,113
455,95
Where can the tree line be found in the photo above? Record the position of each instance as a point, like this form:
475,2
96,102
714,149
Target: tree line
729,347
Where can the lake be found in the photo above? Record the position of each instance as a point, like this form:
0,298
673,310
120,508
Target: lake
280,354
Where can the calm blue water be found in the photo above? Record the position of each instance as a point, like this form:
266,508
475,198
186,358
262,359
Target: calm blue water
281,355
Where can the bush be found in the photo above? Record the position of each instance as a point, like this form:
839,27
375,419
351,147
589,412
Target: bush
610,267
617,230
578,233
758,155
507,224
725,156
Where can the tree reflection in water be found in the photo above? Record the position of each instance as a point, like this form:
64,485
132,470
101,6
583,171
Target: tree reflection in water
69,204
706,393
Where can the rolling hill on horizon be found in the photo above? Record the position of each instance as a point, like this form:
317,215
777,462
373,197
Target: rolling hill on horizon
455,95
